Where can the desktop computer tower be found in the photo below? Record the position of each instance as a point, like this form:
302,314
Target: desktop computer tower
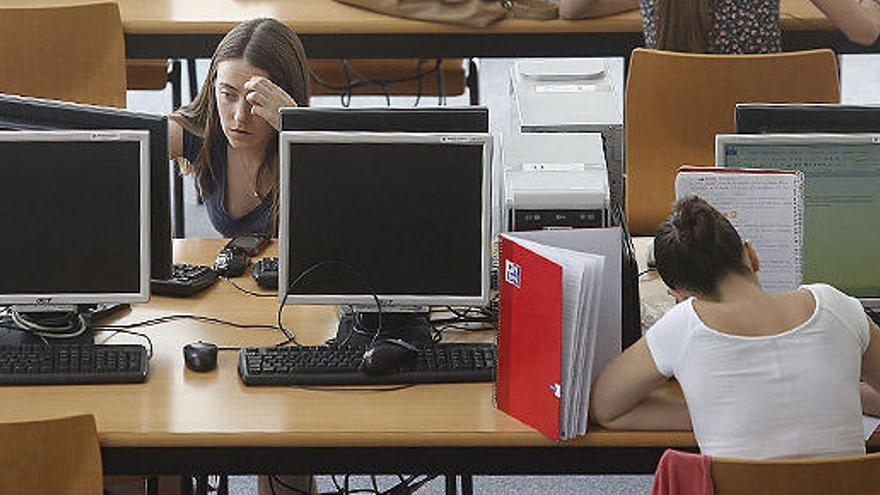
568,98
555,180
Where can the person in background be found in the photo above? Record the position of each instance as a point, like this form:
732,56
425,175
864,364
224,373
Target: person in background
764,375
228,136
726,26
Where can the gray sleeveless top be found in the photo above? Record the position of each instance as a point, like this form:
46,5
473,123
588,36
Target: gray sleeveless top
256,221
738,26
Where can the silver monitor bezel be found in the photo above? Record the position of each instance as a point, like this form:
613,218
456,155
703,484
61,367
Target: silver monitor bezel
386,300
722,140
110,135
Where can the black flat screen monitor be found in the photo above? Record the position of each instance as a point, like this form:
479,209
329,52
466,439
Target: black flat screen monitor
797,118
401,217
32,114
75,217
440,119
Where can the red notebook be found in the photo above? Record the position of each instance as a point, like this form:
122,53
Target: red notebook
530,338
558,288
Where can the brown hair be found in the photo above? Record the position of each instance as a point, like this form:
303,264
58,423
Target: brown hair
696,246
683,25
268,45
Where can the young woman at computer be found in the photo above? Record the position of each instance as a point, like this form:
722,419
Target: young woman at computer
764,375
726,26
228,135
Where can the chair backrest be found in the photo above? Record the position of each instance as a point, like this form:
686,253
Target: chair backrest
51,456
71,53
677,102
856,475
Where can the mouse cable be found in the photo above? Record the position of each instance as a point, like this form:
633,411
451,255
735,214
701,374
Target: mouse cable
203,319
336,388
111,328
291,338
248,291
646,271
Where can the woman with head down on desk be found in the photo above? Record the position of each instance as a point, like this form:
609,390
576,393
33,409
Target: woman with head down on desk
764,375
228,135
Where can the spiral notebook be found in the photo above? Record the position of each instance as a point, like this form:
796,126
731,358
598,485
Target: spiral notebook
766,207
559,324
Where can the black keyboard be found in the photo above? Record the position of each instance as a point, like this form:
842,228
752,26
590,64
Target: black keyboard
58,364
328,365
265,273
185,281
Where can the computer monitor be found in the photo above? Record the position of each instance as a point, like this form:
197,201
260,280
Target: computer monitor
383,119
791,118
402,219
842,200
19,113
75,223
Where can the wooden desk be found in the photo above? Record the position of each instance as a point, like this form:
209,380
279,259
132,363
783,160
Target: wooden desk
185,422
192,28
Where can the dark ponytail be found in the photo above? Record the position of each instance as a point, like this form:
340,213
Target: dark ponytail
683,25
696,246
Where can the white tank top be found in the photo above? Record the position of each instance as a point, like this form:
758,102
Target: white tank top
792,394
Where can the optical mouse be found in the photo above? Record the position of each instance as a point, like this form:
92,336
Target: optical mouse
387,355
200,356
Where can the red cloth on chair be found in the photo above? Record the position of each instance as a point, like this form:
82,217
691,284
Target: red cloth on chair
683,473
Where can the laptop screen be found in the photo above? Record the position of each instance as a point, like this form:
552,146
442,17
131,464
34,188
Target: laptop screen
842,200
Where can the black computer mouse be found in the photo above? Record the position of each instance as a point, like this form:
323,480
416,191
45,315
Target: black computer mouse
387,355
200,356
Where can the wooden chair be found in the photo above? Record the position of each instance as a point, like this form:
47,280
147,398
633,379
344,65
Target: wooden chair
857,475
72,52
56,456
677,102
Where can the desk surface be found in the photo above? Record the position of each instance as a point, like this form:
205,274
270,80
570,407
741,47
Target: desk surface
180,409
328,16
177,407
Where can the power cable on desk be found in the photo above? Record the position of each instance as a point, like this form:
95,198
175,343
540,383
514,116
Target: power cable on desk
248,291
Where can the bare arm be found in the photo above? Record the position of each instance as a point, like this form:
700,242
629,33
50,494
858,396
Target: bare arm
579,9
859,20
175,139
630,394
871,372
870,400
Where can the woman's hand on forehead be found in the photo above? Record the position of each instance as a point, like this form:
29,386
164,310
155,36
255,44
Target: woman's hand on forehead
266,99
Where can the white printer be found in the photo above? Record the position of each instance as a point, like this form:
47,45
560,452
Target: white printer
567,98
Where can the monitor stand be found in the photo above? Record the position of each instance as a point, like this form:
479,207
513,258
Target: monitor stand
9,336
359,328
12,335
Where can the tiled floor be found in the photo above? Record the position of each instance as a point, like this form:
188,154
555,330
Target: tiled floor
860,84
